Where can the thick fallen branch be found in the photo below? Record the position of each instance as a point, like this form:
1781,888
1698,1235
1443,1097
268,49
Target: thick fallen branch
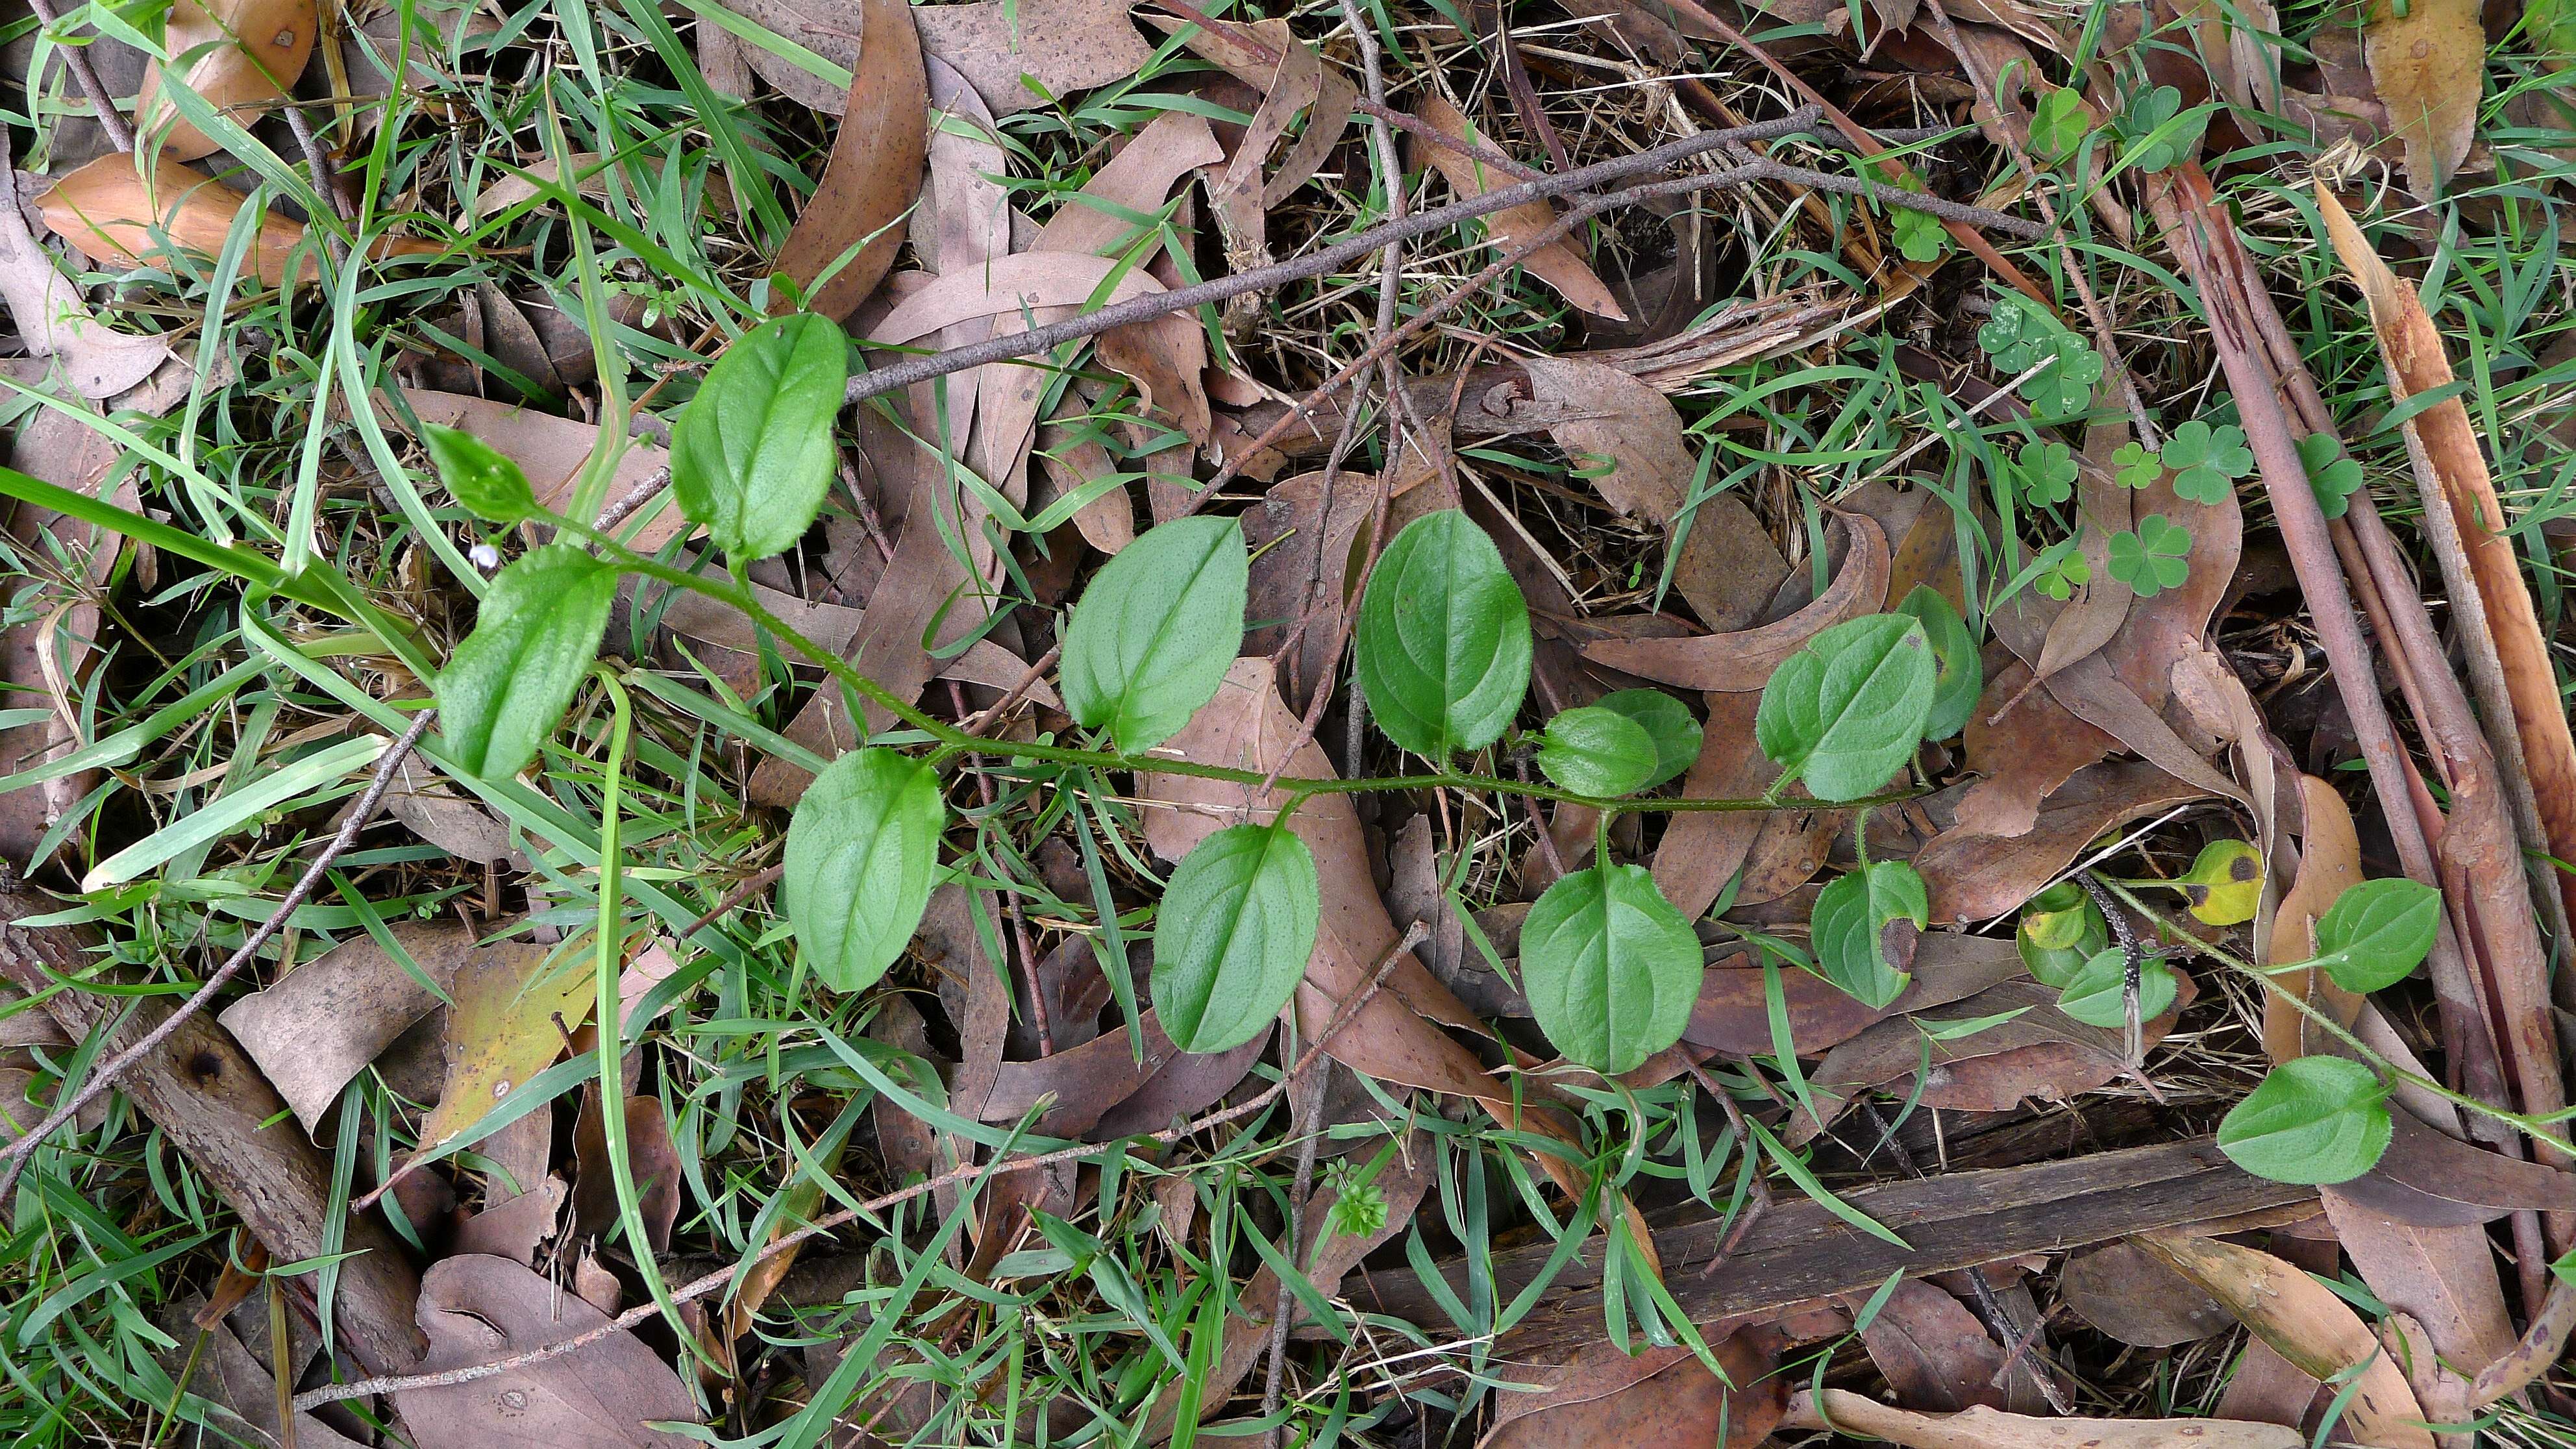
213,1104
1799,1253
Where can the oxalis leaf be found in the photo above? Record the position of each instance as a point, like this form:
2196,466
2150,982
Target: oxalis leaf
506,687
2316,1120
1596,751
1233,936
1155,631
1668,722
1850,923
752,456
1444,638
1611,967
1844,713
2378,932
2097,995
862,855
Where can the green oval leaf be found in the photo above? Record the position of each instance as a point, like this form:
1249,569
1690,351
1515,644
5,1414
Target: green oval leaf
1845,713
752,456
1611,967
2097,994
1668,722
862,855
2378,932
478,476
1155,631
2060,930
506,687
1596,751
2318,1120
1958,670
1444,638
1233,936
1849,927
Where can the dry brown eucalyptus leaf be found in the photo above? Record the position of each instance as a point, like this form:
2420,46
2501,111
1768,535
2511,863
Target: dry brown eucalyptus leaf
239,55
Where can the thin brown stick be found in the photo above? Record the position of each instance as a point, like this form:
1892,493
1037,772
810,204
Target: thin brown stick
104,1077
708,1283
85,75
1147,306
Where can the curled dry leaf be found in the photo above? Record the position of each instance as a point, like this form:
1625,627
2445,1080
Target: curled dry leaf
1702,850
875,170
108,210
1743,660
2329,865
1974,877
2427,63
1932,1351
476,1309
651,1161
2040,1052
239,55
1662,1398
1981,1428
1062,45
515,1227
328,1018
2135,1297
1560,263
99,361
2412,346
2305,1323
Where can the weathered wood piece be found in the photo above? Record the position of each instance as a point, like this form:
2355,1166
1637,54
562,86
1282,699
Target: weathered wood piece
220,1111
1798,1253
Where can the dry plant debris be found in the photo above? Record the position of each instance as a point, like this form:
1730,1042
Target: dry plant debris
796,722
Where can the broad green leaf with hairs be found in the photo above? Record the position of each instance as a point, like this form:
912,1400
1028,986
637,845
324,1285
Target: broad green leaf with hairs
1610,966
506,687
2320,1120
2098,993
478,476
752,456
1443,650
1958,670
1845,713
862,855
1155,631
1668,722
1596,751
1848,927
2378,932
1233,936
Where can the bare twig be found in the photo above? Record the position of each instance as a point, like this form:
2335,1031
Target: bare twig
105,1075
1146,307
85,75
705,1284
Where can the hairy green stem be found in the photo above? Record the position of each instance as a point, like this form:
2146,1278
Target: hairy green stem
2530,1126
952,739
